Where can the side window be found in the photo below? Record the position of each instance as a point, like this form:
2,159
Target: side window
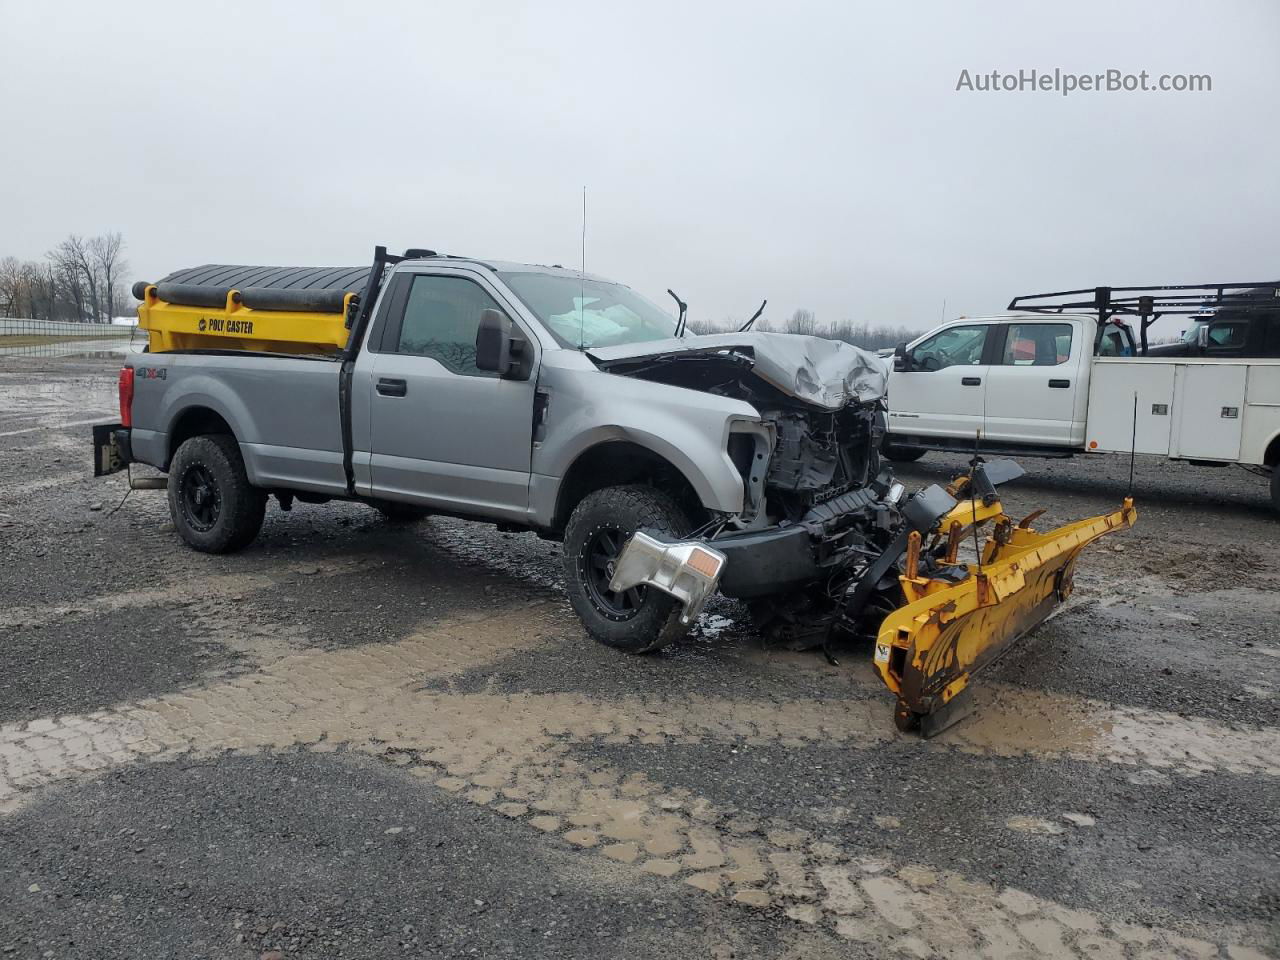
1271,345
955,346
1115,341
1037,345
441,318
1228,335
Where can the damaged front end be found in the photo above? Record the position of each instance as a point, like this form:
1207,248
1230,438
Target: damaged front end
832,545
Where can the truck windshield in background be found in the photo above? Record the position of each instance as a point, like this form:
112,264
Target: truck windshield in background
1192,333
589,313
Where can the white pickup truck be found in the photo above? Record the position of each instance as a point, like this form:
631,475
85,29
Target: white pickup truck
1057,384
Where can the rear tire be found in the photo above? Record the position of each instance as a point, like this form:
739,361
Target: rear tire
639,620
213,505
1275,486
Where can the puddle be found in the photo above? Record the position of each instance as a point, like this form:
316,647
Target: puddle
1010,720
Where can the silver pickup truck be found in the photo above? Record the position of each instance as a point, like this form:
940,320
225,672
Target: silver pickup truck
543,399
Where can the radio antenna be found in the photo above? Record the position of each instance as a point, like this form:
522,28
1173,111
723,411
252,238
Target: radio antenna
1133,443
582,281
973,495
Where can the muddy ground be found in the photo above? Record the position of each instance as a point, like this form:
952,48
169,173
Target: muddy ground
357,739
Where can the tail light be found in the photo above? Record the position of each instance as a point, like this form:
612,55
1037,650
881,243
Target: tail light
126,396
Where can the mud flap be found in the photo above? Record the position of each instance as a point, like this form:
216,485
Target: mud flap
950,629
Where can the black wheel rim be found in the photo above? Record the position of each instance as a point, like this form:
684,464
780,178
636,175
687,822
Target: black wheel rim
598,561
200,497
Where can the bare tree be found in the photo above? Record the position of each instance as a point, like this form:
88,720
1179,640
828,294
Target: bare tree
78,274
76,278
868,337
11,286
699,327
803,322
68,284
80,279
106,256
47,284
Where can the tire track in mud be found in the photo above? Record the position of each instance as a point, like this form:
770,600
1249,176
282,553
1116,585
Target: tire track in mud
511,753
1007,720
212,587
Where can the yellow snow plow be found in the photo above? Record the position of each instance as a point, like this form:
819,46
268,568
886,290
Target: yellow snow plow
960,617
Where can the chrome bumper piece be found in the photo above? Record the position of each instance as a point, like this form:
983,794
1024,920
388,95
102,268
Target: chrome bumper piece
688,571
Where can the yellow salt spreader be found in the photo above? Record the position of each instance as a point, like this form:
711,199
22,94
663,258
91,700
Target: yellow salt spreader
294,311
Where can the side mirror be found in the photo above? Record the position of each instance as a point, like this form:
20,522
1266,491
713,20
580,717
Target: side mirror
501,348
900,357
1202,337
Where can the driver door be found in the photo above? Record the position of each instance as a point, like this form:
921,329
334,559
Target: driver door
943,390
445,433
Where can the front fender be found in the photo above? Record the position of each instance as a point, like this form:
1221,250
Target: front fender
705,464
687,428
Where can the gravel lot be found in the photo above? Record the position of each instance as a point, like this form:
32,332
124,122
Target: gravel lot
357,739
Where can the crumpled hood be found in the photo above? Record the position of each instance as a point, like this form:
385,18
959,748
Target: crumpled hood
825,373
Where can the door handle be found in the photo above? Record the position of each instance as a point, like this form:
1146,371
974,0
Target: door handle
1060,384
392,388
971,381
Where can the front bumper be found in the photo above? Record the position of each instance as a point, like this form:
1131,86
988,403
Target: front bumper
764,562
775,560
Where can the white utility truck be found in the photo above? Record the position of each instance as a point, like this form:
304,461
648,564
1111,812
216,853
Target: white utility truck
1057,376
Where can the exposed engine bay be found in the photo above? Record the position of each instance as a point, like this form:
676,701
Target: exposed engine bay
824,398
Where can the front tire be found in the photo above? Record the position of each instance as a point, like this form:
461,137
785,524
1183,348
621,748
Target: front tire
639,620
1275,486
214,507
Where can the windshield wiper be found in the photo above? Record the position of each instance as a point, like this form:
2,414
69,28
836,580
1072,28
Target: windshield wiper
754,317
684,310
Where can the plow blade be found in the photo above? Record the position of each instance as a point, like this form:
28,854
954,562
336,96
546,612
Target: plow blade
963,617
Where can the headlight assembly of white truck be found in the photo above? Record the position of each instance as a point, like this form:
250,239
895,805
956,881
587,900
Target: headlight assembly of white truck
687,571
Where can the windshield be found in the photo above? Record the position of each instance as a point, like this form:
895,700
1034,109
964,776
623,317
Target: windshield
589,313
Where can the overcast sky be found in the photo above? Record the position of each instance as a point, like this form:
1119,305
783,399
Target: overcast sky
815,154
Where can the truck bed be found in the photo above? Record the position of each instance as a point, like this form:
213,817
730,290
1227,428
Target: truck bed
285,411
